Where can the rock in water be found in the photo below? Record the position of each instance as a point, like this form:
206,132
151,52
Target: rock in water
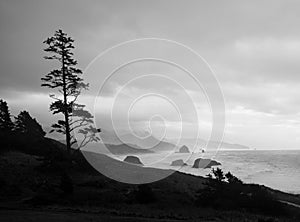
205,163
178,163
133,160
184,149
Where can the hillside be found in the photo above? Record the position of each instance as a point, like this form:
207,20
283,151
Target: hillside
150,143
29,182
123,149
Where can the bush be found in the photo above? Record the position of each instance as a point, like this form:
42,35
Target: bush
232,193
218,173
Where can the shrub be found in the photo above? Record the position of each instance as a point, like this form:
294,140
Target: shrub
218,173
232,179
232,193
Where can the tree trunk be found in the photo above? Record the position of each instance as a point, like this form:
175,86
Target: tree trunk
66,114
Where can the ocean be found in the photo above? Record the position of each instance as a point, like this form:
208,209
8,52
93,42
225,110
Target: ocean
278,169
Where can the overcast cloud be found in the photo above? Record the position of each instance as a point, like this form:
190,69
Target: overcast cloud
253,47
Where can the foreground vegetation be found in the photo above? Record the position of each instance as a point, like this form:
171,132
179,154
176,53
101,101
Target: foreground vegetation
46,187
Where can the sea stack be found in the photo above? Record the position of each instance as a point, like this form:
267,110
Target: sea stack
133,160
184,149
205,163
178,163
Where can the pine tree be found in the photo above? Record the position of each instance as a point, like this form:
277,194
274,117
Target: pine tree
6,125
69,84
28,126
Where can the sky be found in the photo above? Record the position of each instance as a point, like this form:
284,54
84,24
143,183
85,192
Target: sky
253,47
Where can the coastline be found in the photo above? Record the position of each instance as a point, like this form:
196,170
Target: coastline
276,169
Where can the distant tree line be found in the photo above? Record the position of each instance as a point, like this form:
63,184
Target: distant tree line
22,127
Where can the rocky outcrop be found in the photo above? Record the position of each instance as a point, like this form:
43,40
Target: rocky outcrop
205,163
184,149
178,163
133,160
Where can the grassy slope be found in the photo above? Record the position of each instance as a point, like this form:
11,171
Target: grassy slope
94,193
